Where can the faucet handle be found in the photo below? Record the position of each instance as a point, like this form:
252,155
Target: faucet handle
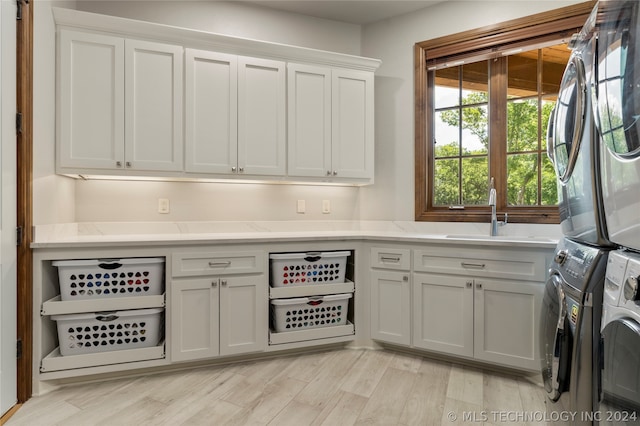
504,222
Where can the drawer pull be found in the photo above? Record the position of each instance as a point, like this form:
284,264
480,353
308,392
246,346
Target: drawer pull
219,264
390,259
472,265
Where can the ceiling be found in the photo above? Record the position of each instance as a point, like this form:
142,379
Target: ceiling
351,11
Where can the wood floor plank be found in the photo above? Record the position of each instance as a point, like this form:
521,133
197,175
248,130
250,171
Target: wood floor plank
386,404
466,384
276,395
305,367
501,393
342,409
365,374
135,413
46,414
296,414
189,401
218,412
321,389
426,400
406,362
457,412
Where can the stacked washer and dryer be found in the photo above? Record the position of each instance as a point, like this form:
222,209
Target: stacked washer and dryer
572,302
590,333
617,114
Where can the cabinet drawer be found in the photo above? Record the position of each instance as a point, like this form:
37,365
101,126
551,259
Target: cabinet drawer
391,258
521,265
223,263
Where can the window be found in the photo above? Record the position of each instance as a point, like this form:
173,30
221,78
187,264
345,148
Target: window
483,101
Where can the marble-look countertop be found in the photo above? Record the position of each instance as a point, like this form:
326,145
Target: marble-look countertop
114,234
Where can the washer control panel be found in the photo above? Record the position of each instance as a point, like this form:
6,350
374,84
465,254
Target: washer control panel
614,278
631,280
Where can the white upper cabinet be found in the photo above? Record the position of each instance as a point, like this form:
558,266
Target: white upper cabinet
90,100
144,99
352,124
120,104
211,112
309,109
330,122
235,114
153,106
261,117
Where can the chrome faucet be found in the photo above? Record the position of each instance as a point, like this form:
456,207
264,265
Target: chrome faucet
493,230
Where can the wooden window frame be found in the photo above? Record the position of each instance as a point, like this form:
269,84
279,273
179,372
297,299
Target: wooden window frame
555,24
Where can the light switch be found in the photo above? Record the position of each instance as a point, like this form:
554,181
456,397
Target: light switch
163,205
326,206
301,206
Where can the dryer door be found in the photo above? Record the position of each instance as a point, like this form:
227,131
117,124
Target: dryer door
555,340
617,117
569,118
620,371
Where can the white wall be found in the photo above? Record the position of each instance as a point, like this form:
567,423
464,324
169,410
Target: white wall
53,196
392,40
59,199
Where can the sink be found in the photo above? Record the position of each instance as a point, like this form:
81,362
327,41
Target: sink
499,238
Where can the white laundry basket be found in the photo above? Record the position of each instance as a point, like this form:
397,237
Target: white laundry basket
108,331
310,268
310,312
107,278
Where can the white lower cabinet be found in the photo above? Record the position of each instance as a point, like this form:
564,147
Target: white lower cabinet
506,316
480,304
391,312
218,304
217,316
391,295
443,313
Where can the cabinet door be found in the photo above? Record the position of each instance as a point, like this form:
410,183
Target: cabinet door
309,114
153,124
194,319
443,313
244,319
506,322
391,307
261,116
352,124
91,101
211,113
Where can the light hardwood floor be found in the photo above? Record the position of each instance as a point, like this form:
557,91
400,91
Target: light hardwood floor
339,387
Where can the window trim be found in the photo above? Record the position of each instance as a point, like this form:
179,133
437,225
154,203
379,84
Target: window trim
558,23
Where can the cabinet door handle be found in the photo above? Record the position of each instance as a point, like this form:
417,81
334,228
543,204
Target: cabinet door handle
224,283
118,163
128,163
219,264
472,265
214,283
405,278
328,172
469,284
390,259
233,169
335,173
479,286
241,169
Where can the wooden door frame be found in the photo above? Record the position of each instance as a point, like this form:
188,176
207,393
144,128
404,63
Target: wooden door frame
24,168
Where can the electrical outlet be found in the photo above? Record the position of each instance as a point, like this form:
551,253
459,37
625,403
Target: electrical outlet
301,206
163,205
326,206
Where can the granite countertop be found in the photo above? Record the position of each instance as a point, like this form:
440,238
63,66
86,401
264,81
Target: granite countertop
114,234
